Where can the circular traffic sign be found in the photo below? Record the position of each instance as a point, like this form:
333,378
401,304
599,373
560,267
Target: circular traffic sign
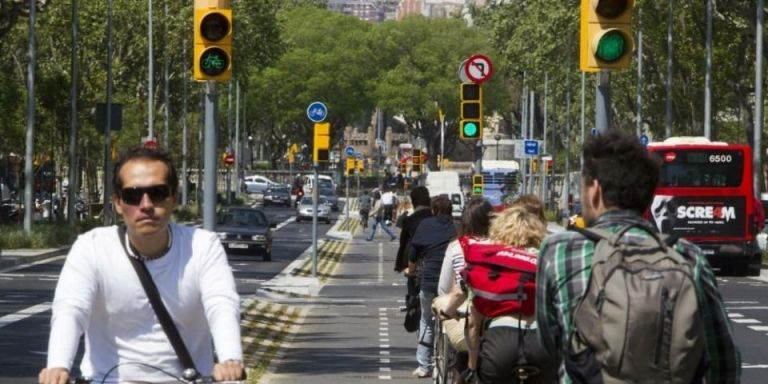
229,159
349,151
478,68
463,72
317,112
644,140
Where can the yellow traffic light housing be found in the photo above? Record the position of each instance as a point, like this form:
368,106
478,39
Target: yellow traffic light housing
322,143
535,165
213,43
350,168
471,122
477,185
606,41
416,160
360,165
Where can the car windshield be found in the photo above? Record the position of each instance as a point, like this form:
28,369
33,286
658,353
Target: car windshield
326,191
243,218
308,201
278,189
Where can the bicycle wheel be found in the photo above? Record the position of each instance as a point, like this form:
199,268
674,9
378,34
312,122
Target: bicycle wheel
440,350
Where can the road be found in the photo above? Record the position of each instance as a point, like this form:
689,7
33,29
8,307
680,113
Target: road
353,331
26,295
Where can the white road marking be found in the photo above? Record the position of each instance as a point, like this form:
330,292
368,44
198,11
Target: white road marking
381,262
746,321
732,315
44,261
745,308
759,328
286,222
24,313
762,366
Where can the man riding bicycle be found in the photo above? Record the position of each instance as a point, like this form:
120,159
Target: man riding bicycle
100,295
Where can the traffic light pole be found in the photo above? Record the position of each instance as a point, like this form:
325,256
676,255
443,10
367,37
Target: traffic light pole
603,102
211,143
314,219
347,193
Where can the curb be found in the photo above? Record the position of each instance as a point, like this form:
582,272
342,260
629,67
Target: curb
11,260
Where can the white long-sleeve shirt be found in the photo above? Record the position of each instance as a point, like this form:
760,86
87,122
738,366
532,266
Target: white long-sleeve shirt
99,293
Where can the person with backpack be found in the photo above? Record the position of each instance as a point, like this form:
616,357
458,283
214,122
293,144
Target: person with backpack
617,301
426,256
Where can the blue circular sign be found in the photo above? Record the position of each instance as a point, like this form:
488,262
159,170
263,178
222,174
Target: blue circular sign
644,140
317,112
349,151
359,155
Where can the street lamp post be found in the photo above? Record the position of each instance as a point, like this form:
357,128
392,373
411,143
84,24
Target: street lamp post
497,137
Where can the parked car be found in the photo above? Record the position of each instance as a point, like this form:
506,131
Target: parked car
304,209
277,195
245,230
330,196
257,184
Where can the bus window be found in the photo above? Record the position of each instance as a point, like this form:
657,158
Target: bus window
701,168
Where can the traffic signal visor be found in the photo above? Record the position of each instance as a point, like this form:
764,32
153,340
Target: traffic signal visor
213,44
606,40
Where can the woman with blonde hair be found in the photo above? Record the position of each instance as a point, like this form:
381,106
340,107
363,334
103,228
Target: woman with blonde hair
505,348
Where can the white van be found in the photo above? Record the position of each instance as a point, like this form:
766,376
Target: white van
325,181
447,183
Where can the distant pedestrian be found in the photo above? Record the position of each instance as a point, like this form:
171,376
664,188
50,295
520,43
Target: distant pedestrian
378,221
364,203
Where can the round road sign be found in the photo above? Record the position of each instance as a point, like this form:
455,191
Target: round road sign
478,68
317,112
229,159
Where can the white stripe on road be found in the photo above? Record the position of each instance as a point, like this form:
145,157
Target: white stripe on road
286,222
24,313
762,366
44,261
759,328
381,262
732,315
746,321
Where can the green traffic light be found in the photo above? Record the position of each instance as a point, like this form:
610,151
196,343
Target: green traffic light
214,61
611,46
477,190
470,129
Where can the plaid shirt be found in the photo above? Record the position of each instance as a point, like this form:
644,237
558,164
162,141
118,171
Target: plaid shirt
564,269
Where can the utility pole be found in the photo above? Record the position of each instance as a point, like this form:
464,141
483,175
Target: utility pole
211,143
708,76
30,139
758,129
639,128
670,52
150,73
166,91
583,116
184,137
237,139
107,210
73,184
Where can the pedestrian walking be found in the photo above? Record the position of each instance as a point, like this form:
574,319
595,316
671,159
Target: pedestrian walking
378,221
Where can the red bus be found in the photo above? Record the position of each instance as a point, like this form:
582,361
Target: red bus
705,195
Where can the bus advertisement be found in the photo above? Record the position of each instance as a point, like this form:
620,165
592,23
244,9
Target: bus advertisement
705,195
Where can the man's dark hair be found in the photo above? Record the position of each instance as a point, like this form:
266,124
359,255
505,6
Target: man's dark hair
441,205
154,154
420,196
476,219
626,172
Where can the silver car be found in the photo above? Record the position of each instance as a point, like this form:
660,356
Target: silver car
304,209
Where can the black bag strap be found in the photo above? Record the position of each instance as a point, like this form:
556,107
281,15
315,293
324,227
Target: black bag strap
169,327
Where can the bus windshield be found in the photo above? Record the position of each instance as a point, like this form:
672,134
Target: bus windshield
701,168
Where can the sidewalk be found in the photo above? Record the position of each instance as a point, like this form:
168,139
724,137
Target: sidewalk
10,258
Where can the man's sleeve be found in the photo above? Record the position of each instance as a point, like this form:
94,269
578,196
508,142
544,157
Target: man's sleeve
549,329
221,301
72,303
724,358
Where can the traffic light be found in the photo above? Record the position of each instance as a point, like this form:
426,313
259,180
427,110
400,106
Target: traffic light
403,168
350,166
322,142
416,160
471,123
477,185
606,38
535,166
213,42
360,165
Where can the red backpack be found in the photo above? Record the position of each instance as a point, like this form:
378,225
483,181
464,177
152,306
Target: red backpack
502,277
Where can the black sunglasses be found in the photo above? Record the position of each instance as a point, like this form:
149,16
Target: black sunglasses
156,193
